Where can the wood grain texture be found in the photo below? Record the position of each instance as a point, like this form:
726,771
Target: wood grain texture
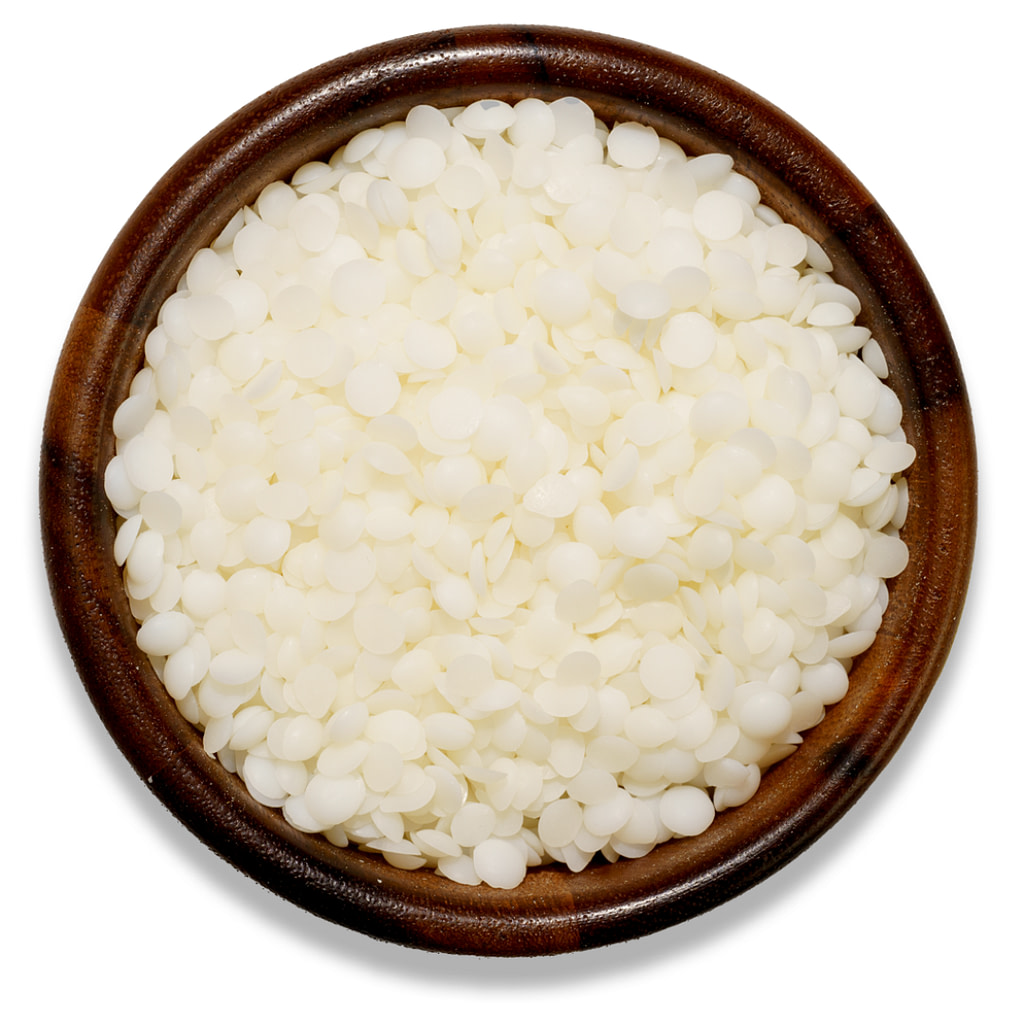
554,911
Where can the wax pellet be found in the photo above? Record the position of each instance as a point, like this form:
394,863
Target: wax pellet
578,602
561,297
644,300
686,810
455,413
372,388
718,215
416,162
633,145
148,463
358,287
429,345
455,596
379,629
667,671
552,496
164,633
639,532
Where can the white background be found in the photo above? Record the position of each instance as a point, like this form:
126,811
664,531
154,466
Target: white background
909,907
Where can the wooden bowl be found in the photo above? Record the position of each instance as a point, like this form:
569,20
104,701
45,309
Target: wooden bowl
553,911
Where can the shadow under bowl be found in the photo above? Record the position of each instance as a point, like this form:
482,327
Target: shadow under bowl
308,117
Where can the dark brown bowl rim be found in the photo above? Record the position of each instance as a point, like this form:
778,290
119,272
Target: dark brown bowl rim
554,911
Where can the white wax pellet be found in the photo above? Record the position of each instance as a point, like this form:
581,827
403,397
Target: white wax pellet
161,512
448,731
379,629
621,468
332,801
415,163
350,571
473,824
485,503
484,118
266,540
400,728
127,533
382,767
765,714
887,414
234,667
607,817
314,219
644,300
639,532
429,345
561,296
210,316
455,412
295,306
148,463
647,422
686,810
451,477
787,245
145,560
372,388
688,340
461,186
842,538
648,726
890,456
572,119
717,415
710,546
635,223
886,556
581,668
578,602
771,504
386,458
164,633
560,821
454,594
311,354
358,287
425,121
676,248
133,414
573,561
718,215
633,145
849,645
203,594
562,700
283,500
552,496
315,686
181,673
586,405
388,203
857,390
667,671
444,240
650,582
592,786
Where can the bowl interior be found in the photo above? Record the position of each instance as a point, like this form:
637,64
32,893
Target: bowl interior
309,117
